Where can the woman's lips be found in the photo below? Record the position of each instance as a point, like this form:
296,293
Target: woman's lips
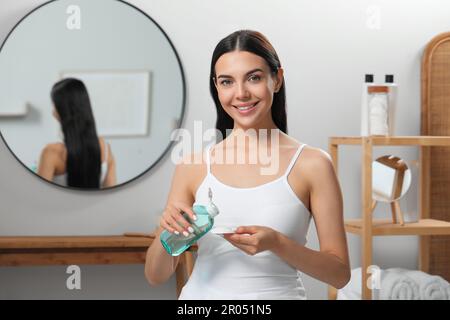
248,108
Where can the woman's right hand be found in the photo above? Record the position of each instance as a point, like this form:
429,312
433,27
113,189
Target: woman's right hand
173,221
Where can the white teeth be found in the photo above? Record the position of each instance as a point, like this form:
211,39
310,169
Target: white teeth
246,108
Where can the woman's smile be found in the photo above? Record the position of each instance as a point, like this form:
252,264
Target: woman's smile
246,108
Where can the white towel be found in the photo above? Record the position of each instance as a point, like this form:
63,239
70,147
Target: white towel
396,285
431,287
352,290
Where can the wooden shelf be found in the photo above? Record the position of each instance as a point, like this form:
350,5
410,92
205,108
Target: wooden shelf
367,227
61,250
59,242
80,250
66,250
394,140
385,227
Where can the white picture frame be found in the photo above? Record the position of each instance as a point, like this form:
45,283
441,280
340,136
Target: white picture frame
120,100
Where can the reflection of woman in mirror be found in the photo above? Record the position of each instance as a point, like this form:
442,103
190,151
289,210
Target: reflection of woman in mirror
272,213
84,160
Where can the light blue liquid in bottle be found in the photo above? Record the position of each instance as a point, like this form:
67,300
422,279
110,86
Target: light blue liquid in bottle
177,244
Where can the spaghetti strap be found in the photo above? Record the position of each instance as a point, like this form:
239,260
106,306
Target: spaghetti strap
294,158
208,159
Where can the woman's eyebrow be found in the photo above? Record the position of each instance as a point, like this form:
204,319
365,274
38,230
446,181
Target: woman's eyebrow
251,71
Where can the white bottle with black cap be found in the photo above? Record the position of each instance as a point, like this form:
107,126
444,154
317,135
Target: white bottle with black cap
368,81
392,101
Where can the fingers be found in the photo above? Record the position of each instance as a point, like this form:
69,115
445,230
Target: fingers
247,229
188,210
180,219
173,220
243,239
248,249
167,227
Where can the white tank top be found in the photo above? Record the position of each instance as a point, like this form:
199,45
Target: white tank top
222,271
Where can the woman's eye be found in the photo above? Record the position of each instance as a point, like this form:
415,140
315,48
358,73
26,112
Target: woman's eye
254,78
225,82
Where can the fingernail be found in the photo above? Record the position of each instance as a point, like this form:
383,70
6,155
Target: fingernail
176,232
194,217
185,234
191,230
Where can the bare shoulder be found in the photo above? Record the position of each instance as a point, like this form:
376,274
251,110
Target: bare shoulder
53,150
52,159
315,158
313,163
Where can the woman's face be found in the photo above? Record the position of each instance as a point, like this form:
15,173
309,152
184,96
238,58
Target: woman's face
245,87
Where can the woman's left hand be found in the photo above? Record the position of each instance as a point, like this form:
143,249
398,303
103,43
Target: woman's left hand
253,239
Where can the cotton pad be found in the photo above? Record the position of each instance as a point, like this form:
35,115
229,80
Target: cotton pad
223,230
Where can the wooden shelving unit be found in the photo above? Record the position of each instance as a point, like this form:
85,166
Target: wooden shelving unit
424,227
366,227
68,250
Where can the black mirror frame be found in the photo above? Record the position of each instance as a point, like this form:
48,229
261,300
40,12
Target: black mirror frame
169,145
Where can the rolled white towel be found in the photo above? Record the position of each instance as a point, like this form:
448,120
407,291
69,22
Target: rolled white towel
352,291
431,287
397,285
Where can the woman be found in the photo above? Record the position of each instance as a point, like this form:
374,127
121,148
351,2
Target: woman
83,160
260,260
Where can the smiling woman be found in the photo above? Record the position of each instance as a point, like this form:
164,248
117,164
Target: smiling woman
269,214
246,82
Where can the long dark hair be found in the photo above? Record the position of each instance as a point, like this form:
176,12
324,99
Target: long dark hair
72,103
257,43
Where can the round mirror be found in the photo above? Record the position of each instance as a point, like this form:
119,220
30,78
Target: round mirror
391,178
91,92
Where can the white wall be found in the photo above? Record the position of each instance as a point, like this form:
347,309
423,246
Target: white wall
325,48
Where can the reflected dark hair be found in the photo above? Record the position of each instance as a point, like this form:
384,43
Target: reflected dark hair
72,103
256,43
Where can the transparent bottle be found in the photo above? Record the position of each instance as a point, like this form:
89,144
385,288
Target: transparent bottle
177,244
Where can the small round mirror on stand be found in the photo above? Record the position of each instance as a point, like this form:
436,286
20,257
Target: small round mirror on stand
391,179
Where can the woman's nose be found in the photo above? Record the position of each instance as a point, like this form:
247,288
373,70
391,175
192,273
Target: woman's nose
242,93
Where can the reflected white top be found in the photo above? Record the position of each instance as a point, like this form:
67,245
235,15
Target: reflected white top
223,271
